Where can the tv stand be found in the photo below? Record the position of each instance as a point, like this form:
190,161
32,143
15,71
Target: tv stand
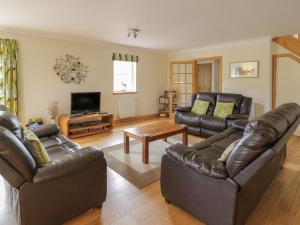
76,125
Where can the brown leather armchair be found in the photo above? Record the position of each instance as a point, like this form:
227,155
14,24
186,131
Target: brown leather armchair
74,182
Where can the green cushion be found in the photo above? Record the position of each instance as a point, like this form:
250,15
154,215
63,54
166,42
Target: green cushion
223,109
200,107
36,148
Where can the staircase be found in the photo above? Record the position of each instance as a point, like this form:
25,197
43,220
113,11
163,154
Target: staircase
290,42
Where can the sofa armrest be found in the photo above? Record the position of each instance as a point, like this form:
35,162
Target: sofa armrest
240,124
72,163
45,130
238,117
183,109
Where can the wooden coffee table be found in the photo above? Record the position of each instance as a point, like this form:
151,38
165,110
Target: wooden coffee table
153,132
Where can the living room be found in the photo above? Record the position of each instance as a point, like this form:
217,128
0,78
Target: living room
117,116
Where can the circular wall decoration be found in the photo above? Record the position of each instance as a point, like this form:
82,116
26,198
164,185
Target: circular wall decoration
70,69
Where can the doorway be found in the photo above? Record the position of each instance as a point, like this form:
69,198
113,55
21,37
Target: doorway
209,75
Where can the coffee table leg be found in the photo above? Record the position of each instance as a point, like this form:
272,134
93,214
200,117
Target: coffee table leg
145,151
185,138
126,143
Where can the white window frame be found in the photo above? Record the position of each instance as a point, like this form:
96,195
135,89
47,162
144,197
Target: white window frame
131,78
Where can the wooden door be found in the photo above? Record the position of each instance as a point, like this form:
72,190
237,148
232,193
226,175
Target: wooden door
204,77
182,83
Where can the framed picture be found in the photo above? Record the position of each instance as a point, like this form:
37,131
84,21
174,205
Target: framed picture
244,69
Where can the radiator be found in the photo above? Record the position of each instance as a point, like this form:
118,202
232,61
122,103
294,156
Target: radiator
126,107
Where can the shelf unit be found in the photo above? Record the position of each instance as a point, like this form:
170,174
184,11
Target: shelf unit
74,126
165,102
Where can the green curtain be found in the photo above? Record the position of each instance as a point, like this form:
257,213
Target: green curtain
125,57
9,74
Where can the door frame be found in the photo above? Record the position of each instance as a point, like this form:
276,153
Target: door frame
274,73
213,58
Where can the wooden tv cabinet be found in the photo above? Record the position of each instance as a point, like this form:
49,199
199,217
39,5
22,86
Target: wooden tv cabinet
74,126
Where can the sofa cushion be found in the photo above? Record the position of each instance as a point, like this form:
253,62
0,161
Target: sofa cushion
213,123
223,109
11,122
188,118
259,135
226,141
228,150
236,99
246,104
13,151
209,97
200,107
45,130
36,148
55,140
204,161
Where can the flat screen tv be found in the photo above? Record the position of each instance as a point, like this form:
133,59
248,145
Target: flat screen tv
85,102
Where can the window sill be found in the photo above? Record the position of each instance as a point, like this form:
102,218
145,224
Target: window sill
124,92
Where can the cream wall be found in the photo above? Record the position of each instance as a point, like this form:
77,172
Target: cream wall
257,88
288,79
39,85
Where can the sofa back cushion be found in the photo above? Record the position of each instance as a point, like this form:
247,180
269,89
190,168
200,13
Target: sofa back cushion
246,105
13,151
236,99
209,97
11,122
260,134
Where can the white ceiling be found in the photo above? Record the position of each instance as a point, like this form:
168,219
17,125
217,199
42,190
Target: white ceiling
165,24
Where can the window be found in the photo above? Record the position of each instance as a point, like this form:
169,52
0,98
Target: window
124,76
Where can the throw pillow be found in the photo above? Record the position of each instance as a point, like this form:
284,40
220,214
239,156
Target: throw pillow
36,148
227,151
200,107
223,109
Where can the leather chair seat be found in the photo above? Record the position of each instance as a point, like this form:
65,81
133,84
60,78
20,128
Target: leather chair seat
213,123
56,140
224,143
190,119
204,161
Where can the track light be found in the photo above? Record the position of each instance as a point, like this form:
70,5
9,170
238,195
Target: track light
133,32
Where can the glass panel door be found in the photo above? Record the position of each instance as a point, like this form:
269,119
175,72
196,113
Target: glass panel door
182,83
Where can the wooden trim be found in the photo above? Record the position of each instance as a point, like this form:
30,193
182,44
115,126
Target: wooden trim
289,55
289,42
124,92
181,62
136,118
274,73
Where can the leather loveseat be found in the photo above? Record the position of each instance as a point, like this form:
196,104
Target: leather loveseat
73,182
208,125
226,193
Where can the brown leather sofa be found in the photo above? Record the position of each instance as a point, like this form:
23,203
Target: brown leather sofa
226,193
74,181
208,125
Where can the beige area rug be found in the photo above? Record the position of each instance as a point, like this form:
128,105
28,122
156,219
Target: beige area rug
131,167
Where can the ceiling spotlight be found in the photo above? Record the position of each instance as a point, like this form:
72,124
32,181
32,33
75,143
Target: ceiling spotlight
133,32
